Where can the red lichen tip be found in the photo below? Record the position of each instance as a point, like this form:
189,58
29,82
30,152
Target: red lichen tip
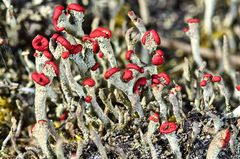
226,138
40,78
95,47
130,13
128,54
101,32
193,20
54,36
2,41
63,116
135,67
100,55
157,60
159,52
216,78
54,66
95,67
110,72
171,92
76,7
238,87
33,128
154,117
47,54
141,82
208,76
178,88
105,30
154,35
167,127
127,75
65,54
57,12
86,38
88,82
185,29
203,83
35,54
166,78
40,43
76,49
64,42
88,99
155,79
42,121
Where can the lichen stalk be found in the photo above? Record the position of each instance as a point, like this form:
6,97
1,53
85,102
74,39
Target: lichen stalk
193,34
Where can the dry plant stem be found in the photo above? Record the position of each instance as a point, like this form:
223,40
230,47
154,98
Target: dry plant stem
193,34
20,122
143,7
218,50
208,14
97,140
187,76
225,58
29,65
216,144
12,136
10,19
14,131
232,13
232,41
207,53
